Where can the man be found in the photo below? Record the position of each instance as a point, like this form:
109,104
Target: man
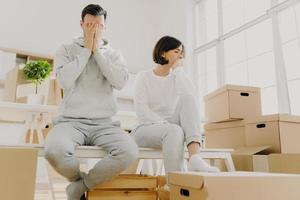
89,70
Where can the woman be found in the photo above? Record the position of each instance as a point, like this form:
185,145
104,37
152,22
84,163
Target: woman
167,111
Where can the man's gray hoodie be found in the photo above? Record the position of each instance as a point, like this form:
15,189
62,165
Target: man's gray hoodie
88,79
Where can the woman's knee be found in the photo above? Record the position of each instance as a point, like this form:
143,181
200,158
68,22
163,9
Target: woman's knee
174,131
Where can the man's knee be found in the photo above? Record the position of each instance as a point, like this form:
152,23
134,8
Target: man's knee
52,155
128,152
56,154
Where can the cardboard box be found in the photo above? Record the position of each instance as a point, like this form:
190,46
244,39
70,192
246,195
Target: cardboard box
246,158
18,173
281,131
225,134
234,186
258,159
277,163
232,102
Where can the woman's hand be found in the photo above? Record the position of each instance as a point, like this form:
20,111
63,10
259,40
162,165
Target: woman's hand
177,63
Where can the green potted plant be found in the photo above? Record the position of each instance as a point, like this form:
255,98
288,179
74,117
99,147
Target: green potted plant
36,72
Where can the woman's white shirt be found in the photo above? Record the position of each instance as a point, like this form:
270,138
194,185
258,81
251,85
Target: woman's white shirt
155,97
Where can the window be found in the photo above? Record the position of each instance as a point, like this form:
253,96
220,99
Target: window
206,21
289,25
239,12
294,88
207,75
207,70
250,32
248,58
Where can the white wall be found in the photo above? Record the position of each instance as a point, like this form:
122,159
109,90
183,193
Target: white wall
133,26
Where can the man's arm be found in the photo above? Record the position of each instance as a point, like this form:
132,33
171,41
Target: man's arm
113,68
67,71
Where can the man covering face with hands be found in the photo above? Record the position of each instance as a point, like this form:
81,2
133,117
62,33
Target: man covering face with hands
89,70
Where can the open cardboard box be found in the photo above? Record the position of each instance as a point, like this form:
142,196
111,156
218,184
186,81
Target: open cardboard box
246,158
258,159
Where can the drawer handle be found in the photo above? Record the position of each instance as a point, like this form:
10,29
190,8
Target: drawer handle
260,125
184,192
244,94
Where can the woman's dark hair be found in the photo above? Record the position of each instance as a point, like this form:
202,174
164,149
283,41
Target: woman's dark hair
93,9
163,45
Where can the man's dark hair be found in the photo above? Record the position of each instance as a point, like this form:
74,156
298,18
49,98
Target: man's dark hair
163,45
93,9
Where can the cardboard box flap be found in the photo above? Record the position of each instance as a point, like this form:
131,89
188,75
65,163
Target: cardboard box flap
274,117
220,125
250,150
289,118
231,87
187,179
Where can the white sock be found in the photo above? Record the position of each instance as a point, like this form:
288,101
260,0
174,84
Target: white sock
196,163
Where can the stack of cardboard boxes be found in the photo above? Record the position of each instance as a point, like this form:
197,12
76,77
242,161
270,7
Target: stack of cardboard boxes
261,143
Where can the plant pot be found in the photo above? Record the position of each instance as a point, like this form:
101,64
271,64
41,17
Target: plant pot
35,99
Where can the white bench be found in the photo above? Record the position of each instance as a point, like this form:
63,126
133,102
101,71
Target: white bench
144,153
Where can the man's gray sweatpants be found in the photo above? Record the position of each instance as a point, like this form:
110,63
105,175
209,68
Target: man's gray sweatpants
68,133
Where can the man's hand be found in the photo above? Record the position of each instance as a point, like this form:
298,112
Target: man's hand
96,38
89,33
